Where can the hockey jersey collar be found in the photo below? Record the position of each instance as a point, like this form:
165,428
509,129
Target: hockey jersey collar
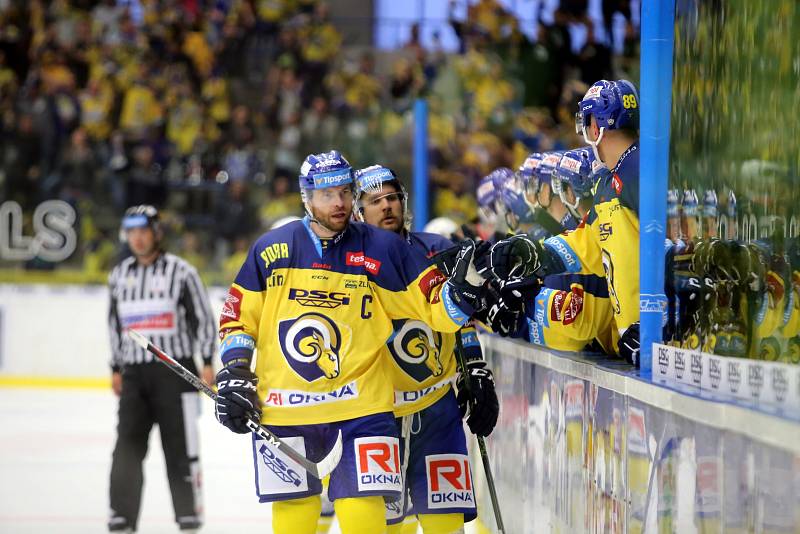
315,238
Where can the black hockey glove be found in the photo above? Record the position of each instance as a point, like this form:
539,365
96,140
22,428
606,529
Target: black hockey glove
518,256
466,286
506,309
475,390
237,399
629,344
446,259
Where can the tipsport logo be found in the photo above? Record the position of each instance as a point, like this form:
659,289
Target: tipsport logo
280,468
417,349
449,481
378,464
311,345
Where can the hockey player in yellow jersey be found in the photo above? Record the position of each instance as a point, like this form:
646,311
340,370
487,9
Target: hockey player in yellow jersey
302,335
422,365
605,244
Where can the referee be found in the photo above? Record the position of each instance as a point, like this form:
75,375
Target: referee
162,296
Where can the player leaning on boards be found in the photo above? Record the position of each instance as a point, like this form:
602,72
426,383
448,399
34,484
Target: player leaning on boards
162,296
422,364
317,298
608,118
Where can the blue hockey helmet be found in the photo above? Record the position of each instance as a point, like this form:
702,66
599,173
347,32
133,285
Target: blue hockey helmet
486,196
372,180
514,205
527,180
574,172
547,166
613,104
327,169
500,177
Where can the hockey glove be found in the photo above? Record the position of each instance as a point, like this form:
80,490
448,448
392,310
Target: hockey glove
237,399
476,394
466,286
507,311
628,345
446,259
518,256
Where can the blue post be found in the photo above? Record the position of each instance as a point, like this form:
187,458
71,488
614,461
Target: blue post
658,22
421,185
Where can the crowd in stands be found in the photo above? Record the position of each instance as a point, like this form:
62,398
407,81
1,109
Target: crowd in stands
205,108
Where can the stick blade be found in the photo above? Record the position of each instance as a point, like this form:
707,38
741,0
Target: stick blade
329,463
138,338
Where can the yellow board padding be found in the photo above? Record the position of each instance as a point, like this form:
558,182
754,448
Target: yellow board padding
53,382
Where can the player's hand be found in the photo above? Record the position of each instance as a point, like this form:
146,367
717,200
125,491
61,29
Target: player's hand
446,259
237,400
518,256
629,345
465,286
207,374
116,383
508,309
476,395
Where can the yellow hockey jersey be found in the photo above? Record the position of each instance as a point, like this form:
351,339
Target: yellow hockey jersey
607,243
422,361
319,317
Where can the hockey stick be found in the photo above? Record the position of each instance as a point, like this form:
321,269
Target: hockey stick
487,468
319,470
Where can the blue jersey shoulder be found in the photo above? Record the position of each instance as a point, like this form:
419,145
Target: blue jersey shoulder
428,243
395,265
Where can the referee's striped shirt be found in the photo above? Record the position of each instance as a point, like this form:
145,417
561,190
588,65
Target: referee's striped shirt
166,302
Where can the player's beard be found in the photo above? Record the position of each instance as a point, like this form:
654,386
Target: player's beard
391,221
333,220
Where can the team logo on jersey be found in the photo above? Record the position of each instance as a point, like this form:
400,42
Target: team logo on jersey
417,349
311,345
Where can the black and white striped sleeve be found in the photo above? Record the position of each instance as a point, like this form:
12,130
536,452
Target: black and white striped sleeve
114,325
201,323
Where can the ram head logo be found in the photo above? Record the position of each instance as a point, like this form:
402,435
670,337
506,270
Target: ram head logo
415,346
311,344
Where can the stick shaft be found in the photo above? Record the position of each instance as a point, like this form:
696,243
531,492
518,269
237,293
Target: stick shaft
254,426
462,365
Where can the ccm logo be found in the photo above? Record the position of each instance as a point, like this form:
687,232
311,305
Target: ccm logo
378,463
358,258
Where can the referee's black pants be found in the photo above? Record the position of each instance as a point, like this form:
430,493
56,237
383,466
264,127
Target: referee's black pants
153,394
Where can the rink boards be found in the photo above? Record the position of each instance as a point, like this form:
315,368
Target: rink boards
583,446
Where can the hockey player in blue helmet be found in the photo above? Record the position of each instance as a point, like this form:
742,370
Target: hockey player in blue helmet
551,216
302,341
486,196
382,188
326,188
573,180
518,214
608,118
422,364
527,179
609,111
